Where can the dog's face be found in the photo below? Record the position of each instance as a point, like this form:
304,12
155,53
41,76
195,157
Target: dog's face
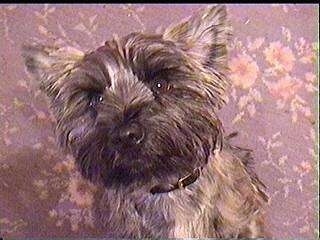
142,106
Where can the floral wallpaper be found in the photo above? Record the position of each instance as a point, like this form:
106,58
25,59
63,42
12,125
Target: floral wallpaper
273,104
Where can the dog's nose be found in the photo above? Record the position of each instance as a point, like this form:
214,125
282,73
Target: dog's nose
132,134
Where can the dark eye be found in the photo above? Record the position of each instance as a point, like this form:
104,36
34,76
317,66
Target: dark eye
160,86
95,98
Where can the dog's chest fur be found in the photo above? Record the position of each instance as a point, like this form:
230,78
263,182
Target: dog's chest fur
205,208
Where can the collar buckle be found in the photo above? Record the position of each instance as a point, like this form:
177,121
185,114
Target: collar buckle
188,179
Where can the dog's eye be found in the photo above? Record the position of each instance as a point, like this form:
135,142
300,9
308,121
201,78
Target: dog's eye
160,86
95,98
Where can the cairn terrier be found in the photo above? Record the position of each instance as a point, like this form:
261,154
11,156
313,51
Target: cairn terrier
139,116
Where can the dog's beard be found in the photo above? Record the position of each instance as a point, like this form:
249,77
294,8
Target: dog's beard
179,138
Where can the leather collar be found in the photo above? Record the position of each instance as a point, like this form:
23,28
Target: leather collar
180,184
191,177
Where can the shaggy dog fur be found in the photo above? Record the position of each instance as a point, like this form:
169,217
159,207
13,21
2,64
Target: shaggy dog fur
139,116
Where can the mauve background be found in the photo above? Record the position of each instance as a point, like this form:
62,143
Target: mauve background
272,104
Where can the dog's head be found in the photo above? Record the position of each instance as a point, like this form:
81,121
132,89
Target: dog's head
140,107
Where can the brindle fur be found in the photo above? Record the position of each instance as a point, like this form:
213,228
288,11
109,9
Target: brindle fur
95,94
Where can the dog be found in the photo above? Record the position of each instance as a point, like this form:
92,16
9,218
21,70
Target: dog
139,115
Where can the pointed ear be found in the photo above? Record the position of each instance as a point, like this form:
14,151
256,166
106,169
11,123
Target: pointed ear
204,36
50,65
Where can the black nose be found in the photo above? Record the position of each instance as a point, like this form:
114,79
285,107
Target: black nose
132,134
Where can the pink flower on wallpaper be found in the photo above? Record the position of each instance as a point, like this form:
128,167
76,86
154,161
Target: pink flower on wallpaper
308,58
303,168
244,71
310,77
285,88
280,56
81,193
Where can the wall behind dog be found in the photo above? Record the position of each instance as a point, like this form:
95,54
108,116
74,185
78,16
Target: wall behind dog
272,105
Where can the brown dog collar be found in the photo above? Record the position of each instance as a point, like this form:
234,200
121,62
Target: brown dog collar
180,184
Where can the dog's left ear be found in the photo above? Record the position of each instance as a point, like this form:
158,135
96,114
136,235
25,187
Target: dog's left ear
204,36
50,65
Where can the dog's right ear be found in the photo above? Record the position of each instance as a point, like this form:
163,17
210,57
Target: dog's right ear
204,36
50,65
